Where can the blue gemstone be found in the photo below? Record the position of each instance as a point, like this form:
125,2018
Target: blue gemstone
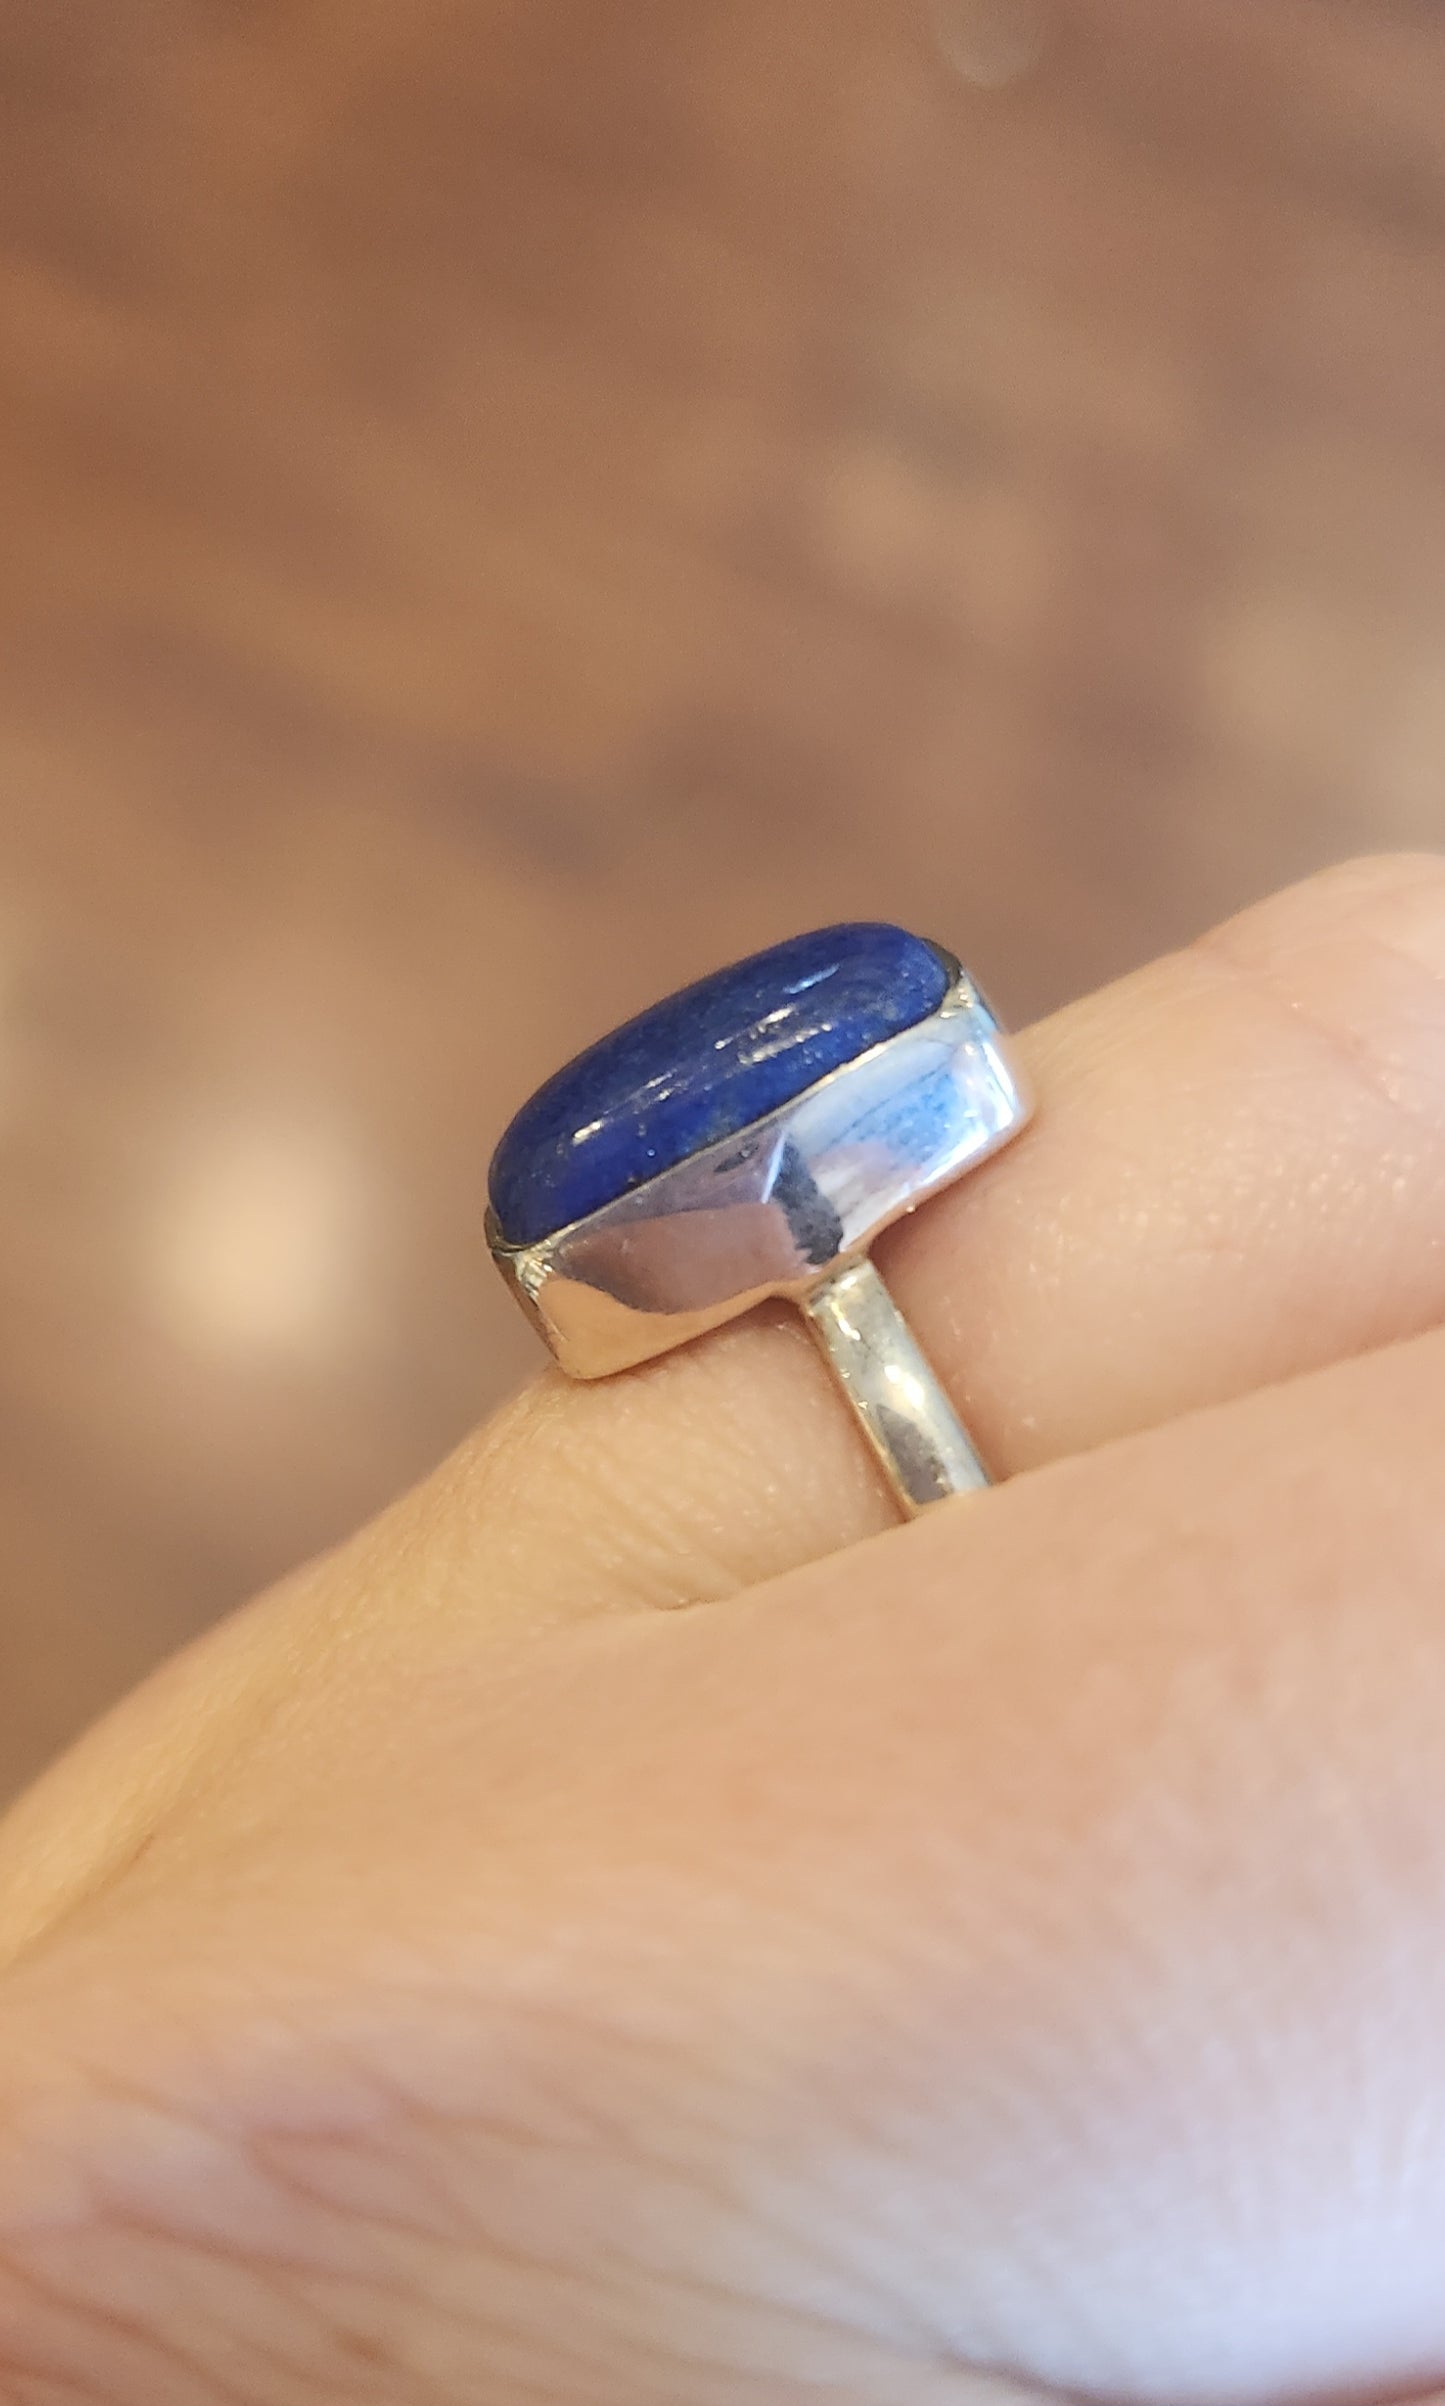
703,1065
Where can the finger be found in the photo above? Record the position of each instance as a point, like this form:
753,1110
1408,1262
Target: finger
1237,1173
1013,1944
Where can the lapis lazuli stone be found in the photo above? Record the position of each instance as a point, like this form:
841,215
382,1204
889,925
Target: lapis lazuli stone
703,1065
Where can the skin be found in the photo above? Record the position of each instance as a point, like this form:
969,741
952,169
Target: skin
961,1961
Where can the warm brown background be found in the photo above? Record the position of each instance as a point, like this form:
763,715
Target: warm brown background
506,503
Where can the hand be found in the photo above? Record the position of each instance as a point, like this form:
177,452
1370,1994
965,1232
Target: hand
1009,1948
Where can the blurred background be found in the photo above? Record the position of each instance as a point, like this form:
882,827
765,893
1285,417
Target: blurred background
505,504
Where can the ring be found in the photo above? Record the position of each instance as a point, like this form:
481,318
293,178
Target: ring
750,1137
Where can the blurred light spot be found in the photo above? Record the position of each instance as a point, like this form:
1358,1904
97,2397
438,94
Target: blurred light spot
259,1243
991,43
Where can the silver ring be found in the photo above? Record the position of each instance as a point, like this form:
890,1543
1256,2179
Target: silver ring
751,1137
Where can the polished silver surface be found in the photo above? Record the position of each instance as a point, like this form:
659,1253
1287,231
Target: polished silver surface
924,1449
773,1210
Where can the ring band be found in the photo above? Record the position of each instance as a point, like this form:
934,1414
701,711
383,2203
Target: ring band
750,1137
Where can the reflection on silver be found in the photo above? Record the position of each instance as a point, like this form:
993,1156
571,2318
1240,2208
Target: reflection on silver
925,1451
788,1208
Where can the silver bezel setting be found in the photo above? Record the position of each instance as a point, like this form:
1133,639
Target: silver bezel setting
775,1209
